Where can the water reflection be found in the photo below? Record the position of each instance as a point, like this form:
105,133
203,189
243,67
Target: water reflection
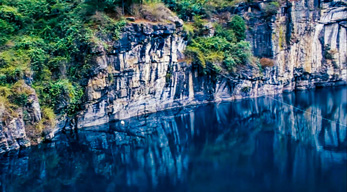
249,145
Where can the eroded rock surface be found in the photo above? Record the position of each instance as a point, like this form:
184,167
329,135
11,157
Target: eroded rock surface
145,72
15,125
307,39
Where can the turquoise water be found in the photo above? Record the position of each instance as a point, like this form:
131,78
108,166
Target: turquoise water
260,144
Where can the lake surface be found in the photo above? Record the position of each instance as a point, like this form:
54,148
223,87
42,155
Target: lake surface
288,142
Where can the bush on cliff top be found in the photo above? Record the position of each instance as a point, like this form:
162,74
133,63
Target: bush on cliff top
222,52
187,9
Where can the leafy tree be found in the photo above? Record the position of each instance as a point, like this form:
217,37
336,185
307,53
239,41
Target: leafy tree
238,25
39,37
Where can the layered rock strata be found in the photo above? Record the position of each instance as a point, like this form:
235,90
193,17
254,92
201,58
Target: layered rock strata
146,72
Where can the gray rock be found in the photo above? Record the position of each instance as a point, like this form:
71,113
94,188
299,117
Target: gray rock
13,136
148,76
13,129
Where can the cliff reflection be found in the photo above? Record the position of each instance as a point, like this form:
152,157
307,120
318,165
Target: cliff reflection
249,145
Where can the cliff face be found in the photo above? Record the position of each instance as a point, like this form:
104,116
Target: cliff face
316,48
145,71
140,74
306,38
18,124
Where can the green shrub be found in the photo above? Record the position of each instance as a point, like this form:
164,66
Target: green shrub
20,92
10,14
230,63
241,52
187,9
228,34
8,109
238,26
211,50
5,27
48,115
5,91
196,54
55,62
189,29
14,65
47,120
215,57
225,50
29,42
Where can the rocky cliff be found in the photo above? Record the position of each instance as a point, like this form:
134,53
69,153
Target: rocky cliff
306,38
17,125
316,53
145,71
141,74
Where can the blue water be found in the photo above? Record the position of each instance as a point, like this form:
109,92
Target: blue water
247,145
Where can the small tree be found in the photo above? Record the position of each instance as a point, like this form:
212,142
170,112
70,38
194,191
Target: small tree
238,25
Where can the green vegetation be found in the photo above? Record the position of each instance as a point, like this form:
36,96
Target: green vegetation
48,119
227,49
238,26
47,44
223,51
187,9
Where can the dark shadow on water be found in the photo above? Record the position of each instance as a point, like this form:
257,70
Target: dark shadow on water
257,144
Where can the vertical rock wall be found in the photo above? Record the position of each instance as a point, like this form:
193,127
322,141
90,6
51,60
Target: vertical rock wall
15,124
315,50
145,71
141,74
306,38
